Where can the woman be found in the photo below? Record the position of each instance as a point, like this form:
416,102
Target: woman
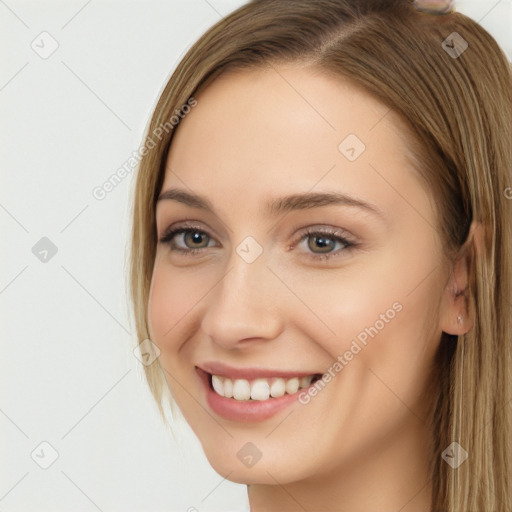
321,256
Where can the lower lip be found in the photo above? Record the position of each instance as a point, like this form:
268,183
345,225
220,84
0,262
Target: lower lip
245,410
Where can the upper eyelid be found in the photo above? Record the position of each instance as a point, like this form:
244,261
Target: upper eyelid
191,222
185,226
330,230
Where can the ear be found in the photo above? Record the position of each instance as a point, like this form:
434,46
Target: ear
456,315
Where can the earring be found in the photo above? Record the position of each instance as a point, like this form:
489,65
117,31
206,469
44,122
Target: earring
460,319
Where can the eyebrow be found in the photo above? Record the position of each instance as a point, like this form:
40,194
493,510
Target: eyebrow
275,207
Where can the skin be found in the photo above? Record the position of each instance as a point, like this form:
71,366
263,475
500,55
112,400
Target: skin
362,442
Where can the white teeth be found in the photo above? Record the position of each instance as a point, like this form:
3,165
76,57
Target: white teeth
217,384
292,385
278,388
228,388
304,382
258,389
241,389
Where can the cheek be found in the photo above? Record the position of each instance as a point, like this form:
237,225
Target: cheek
381,320
386,359
171,297
171,301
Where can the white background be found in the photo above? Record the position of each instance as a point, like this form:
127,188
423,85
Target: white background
68,376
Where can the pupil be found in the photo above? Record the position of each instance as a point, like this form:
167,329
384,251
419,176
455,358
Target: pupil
196,237
323,243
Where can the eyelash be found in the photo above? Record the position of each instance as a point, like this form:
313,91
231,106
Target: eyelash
334,235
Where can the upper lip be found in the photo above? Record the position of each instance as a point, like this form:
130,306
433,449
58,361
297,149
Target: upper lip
224,370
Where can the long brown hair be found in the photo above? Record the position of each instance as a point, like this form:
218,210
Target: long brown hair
458,111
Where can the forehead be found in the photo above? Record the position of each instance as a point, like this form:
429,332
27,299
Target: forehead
268,132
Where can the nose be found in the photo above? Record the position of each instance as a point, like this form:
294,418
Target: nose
243,307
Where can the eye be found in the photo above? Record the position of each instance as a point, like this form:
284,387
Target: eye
193,240
322,241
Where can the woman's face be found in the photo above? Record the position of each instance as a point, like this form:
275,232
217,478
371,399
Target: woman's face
286,284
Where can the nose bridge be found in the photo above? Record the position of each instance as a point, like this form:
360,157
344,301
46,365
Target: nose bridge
243,304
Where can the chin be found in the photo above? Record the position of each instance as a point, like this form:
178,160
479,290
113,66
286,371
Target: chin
229,463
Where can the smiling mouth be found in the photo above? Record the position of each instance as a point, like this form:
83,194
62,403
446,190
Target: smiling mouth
259,388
